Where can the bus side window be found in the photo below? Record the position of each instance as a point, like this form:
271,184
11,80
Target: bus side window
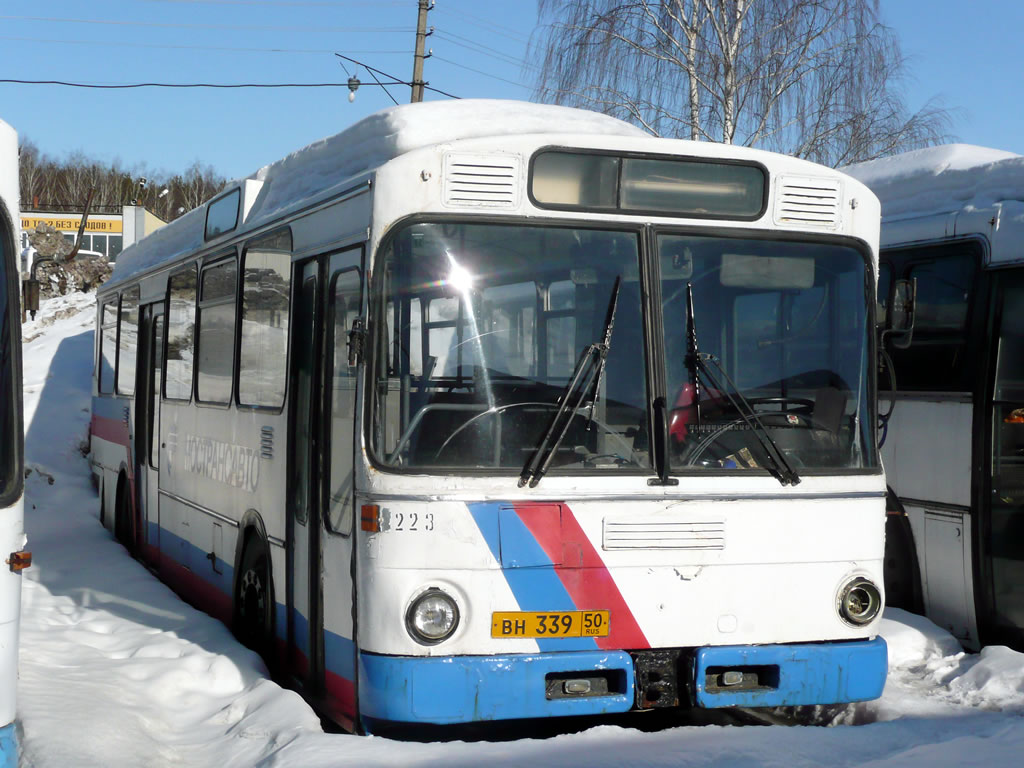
345,301
128,342
181,320
266,291
108,346
216,333
939,358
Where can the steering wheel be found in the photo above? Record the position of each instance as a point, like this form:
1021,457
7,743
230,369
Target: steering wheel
793,419
502,408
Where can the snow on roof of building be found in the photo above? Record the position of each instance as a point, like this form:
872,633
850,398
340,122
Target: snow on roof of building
943,178
324,167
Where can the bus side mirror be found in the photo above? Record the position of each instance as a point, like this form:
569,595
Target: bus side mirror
904,301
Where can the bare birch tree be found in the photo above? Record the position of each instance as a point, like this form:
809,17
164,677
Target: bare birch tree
819,79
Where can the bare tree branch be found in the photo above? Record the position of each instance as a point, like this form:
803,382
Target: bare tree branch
821,79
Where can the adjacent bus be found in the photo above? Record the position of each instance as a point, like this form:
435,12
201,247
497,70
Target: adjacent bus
486,410
951,297
12,528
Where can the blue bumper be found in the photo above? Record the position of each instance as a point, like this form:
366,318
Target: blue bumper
8,747
791,675
462,689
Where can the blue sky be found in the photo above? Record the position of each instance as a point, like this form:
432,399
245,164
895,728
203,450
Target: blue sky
969,55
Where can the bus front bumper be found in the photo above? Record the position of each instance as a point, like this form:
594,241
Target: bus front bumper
8,747
462,689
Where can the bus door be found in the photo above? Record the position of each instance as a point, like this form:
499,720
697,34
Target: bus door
320,516
1002,525
342,309
147,426
303,539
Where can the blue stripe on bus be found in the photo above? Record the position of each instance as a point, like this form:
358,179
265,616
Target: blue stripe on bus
197,561
536,587
8,746
339,652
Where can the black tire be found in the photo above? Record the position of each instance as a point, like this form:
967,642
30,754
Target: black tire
124,531
254,599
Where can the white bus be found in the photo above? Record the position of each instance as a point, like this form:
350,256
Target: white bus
486,410
953,227
12,528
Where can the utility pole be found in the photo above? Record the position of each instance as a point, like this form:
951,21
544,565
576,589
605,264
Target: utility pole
421,37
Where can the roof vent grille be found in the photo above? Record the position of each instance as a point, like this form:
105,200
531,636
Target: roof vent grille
805,201
481,181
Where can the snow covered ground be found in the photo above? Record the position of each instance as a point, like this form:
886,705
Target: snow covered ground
116,671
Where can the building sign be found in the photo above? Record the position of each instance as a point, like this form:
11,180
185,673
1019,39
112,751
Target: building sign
71,224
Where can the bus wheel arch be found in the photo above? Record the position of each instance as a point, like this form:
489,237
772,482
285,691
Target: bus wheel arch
253,593
902,572
125,528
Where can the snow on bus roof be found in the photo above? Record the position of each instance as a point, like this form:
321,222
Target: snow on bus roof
320,169
941,179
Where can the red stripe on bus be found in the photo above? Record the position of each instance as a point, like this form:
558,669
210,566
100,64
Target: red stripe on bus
582,572
341,699
112,430
197,591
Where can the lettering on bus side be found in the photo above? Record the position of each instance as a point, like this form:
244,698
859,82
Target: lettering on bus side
234,465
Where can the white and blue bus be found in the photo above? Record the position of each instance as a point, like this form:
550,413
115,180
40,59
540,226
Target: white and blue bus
952,271
12,528
486,410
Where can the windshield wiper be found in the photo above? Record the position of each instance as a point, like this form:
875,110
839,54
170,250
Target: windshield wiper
585,381
780,467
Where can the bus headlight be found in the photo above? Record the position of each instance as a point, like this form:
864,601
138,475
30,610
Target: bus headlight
859,602
432,617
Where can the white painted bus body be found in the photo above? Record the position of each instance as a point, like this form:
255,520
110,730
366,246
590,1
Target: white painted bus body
937,454
12,529
766,579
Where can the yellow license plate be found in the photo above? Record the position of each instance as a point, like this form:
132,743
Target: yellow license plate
553,624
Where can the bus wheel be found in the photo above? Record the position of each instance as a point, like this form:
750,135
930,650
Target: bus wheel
123,528
253,599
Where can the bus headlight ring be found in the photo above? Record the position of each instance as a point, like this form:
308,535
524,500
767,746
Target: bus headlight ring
432,617
860,601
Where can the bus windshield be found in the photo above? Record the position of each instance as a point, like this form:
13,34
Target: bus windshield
478,329
780,337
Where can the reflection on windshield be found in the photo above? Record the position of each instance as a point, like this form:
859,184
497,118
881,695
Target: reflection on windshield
478,331
786,324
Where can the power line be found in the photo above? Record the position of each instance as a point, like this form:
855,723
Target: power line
480,72
115,86
112,44
285,3
486,25
246,27
470,45
393,77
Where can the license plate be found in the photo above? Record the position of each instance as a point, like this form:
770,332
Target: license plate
553,624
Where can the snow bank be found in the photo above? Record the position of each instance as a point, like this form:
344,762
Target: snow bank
944,178
327,166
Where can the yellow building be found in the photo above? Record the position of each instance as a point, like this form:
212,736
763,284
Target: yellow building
105,233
